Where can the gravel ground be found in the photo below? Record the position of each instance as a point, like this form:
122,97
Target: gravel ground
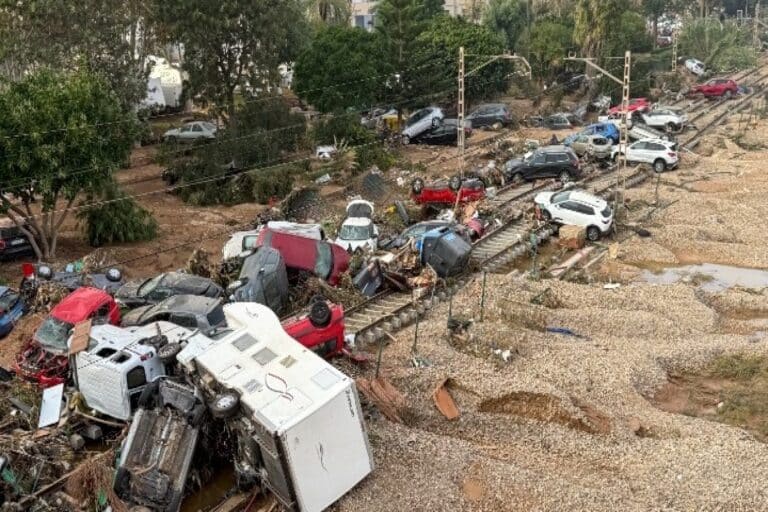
566,422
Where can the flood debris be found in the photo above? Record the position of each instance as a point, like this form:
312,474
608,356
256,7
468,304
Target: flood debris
443,400
384,396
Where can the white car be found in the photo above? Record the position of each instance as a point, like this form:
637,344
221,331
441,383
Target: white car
325,152
191,132
661,154
695,66
238,243
576,208
421,121
358,230
665,118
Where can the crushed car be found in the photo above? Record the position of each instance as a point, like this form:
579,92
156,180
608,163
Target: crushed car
153,290
71,278
190,311
263,279
12,308
44,358
445,251
325,260
358,231
420,122
444,192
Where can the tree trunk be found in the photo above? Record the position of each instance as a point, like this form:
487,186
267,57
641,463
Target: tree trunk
655,31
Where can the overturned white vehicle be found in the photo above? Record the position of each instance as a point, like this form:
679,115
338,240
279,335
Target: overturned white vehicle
358,232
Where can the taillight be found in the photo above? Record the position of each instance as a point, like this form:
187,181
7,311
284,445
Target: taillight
672,155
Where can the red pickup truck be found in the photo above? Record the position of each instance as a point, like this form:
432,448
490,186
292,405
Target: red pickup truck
716,88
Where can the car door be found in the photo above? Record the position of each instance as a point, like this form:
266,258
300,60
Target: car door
580,144
535,166
185,133
197,132
551,167
635,152
573,213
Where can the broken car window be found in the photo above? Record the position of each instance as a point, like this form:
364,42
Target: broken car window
53,334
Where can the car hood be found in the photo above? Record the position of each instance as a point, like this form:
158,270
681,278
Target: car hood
172,131
543,197
514,163
353,245
130,290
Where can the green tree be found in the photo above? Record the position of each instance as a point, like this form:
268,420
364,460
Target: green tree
508,17
340,68
629,34
721,46
60,135
234,45
549,42
328,12
654,9
108,37
595,20
439,45
116,218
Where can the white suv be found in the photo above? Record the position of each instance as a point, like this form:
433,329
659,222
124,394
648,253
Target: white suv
576,208
421,121
665,118
661,154
358,230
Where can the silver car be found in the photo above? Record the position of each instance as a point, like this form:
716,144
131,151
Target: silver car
421,121
191,132
190,311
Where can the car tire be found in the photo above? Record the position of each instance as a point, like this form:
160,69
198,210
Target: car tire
417,185
671,127
319,314
517,179
546,215
564,177
498,125
727,95
317,298
435,122
45,272
405,140
168,352
225,405
454,183
659,165
593,233
114,275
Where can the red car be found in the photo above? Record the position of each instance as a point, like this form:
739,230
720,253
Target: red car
44,358
635,105
320,330
444,193
716,88
327,261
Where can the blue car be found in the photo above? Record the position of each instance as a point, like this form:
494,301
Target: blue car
11,309
607,130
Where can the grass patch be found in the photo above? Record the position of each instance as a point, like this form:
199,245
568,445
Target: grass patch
739,367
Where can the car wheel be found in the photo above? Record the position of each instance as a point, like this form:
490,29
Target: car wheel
565,177
454,183
225,405
171,140
659,165
727,95
593,233
546,215
317,298
45,272
114,275
417,185
319,314
517,178
498,125
167,353
671,127
405,140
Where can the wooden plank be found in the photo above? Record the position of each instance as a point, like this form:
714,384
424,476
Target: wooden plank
81,335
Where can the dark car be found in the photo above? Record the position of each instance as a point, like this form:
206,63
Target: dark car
191,311
168,284
72,277
547,162
444,134
263,279
494,115
13,243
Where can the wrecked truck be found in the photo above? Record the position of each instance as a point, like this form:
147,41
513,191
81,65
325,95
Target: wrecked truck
298,421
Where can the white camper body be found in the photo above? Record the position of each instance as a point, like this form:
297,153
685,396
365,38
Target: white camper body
302,414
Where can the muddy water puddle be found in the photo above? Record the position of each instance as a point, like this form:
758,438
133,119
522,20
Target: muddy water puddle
708,276
732,389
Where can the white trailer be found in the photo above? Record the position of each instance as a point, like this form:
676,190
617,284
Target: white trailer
300,427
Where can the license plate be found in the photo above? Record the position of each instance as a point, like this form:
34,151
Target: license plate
17,241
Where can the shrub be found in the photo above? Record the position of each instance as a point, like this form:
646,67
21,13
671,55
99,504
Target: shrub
120,220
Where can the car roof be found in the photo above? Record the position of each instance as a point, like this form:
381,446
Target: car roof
187,304
583,196
553,148
76,306
657,141
357,221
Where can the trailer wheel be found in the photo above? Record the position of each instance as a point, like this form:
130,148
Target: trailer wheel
319,314
225,405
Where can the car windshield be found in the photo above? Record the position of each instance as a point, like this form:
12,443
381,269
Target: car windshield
150,285
53,334
216,317
529,156
606,212
209,126
560,197
8,300
348,232
324,262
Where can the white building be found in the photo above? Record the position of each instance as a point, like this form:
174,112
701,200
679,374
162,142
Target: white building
363,10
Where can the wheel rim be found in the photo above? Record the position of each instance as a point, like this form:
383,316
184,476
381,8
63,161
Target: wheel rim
659,167
565,177
517,179
225,402
593,234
